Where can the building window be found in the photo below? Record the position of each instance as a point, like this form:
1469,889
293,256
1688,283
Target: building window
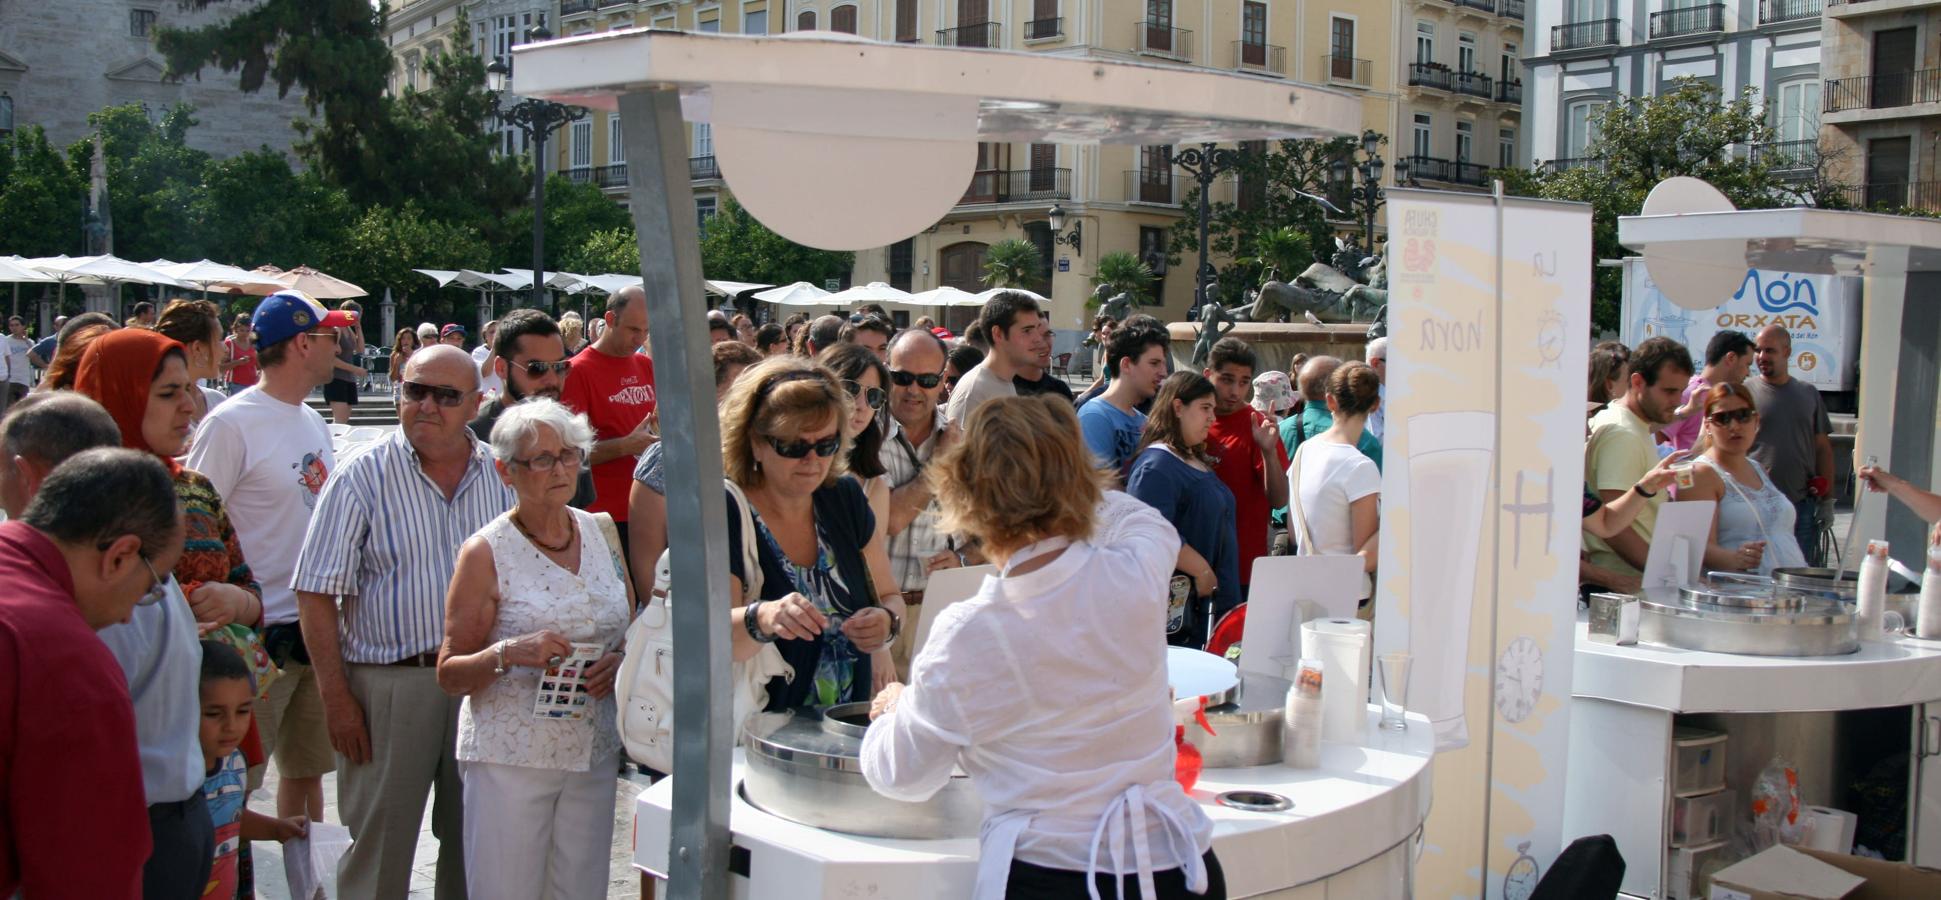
755,22
1465,141
581,144
1797,115
711,26
1465,52
1152,252
1424,128
411,71
6,115
902,263
1044,168
1425,42
1341,38
616,141
703,213
1581,119
1253,30
805,20
140,22
703,139
843,19
1506,148
906,23
1155,174
1512,68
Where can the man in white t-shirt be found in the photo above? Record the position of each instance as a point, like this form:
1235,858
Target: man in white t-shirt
485,356
19,370
268,455
1015,328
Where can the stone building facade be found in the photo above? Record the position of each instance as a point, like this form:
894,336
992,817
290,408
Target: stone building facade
1882,117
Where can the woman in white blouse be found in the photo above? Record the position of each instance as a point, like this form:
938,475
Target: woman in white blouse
1334,492
529,586
1049,685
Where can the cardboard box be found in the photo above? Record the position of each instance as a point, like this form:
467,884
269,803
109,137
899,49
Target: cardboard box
1794,873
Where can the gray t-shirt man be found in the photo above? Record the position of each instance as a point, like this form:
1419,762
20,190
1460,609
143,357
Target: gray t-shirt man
1790,417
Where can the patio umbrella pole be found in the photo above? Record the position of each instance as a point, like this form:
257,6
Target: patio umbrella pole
670,257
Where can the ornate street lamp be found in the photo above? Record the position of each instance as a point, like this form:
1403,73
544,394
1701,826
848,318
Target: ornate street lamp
536,119
1205,163
1058,234
1367,195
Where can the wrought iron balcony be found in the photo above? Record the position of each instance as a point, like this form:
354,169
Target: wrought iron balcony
1575,162
1448,171
1584,35
1772,12
575,7
1040,29
1689,20
613,176
1266,59
1430,75
982,34
1892,195
1788,157
995,186
1510,9
1157,39
1488,6
1883,91
1154,186
1509,92
1346,70
1475,84
702,168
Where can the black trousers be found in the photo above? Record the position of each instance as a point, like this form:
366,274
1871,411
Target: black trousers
185,850
1029,882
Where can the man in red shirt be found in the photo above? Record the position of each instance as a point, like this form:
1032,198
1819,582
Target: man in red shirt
88,548
613,384
1247,442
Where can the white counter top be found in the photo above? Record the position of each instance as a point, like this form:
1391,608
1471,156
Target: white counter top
1363,800
1891,673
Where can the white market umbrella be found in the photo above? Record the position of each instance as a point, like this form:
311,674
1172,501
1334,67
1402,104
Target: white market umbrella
112,271
609,282
946,296
556,280
15,269
205,273
983,296
873,292
319,285
800,293
733,288
442,276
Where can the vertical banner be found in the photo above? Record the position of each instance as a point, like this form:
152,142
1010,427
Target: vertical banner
1489,316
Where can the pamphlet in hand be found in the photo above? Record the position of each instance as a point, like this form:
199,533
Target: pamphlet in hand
562,688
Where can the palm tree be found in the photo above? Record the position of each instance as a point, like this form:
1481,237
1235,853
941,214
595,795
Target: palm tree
1285,250
1013,264
1125,273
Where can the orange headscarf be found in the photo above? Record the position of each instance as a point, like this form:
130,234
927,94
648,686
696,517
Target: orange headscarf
117,370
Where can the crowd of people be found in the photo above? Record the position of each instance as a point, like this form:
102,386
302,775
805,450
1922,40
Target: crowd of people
193,583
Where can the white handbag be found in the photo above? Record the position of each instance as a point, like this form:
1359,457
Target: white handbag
644,687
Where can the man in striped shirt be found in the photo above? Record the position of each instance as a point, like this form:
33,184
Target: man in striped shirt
370,583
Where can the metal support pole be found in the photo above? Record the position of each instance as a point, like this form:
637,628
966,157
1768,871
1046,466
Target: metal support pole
1205,175
662,202
538,217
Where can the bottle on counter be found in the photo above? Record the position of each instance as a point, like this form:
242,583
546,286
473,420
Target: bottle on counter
1301,720
1871,595
1927,611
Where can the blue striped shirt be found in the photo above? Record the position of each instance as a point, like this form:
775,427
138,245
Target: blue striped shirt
385,540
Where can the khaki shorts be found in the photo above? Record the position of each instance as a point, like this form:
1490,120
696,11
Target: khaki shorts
291,723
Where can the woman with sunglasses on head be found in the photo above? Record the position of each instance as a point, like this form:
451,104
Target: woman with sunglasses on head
783,444
865,378
1752,529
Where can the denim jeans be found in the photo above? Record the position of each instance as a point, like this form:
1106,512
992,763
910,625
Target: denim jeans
1806,529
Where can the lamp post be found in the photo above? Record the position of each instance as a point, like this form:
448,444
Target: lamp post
537,119
1205,163
1056,216
1368,193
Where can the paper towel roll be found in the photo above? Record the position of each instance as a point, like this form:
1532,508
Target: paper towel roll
1832,828
1343,647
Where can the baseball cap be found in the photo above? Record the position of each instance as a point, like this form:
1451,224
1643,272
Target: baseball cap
452,329
286,314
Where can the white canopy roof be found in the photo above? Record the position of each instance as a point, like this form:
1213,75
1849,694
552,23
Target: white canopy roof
13,268
800,293
203,273
983,296
102,270
731,288
442,276
946,296
873,292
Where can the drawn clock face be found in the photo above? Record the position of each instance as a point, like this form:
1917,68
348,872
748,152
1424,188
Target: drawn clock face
1521,880
1550,338
1519,679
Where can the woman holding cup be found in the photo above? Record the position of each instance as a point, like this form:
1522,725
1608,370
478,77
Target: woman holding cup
1752,530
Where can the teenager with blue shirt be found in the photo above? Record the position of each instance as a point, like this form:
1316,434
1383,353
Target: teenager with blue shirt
1112,422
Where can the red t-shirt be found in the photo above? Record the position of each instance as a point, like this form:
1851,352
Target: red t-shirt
244,352
615,393
73,821
1244,472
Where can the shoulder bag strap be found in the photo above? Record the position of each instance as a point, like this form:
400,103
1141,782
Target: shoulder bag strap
611,532
751,557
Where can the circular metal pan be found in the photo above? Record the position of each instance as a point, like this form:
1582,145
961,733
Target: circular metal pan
1254,801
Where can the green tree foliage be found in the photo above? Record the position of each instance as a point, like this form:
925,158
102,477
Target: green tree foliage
255,209
1124,273
385,244
153,178
41,196
574,213
613,250
1012,264
736,247
1281,185
1688,130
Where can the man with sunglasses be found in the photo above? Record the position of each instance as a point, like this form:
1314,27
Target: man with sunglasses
83,555
613,386
269,456
371,582
529,359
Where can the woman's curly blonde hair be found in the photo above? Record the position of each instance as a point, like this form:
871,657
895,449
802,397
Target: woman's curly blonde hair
1020,474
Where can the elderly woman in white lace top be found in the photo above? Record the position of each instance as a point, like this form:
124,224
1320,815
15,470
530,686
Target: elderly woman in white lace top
536,607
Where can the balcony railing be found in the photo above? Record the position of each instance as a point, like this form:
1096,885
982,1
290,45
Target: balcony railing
1264,58
1509,92
575,7
1883,91
613,176
1488,6
1163,40
1584,35
1510,9
1475,84
1788,157
1156,186
1772,12
578,174
1040,29
702,168
982,34
1448,171
1892,195
1027,184
1575,162
1689,20
1346,70
1430,75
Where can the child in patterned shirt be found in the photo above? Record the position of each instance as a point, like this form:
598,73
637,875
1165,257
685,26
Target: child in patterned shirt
228,693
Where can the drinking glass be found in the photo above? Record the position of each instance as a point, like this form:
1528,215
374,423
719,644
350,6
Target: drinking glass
1394,671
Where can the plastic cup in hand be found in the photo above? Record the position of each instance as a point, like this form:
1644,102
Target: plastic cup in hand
1394,671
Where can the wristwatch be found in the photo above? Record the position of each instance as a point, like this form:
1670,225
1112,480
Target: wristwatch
750,621
498,650
896,628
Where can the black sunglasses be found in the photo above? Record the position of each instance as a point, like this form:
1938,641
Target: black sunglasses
448,397
873,396
926,381
1731,417
798,448
537,369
